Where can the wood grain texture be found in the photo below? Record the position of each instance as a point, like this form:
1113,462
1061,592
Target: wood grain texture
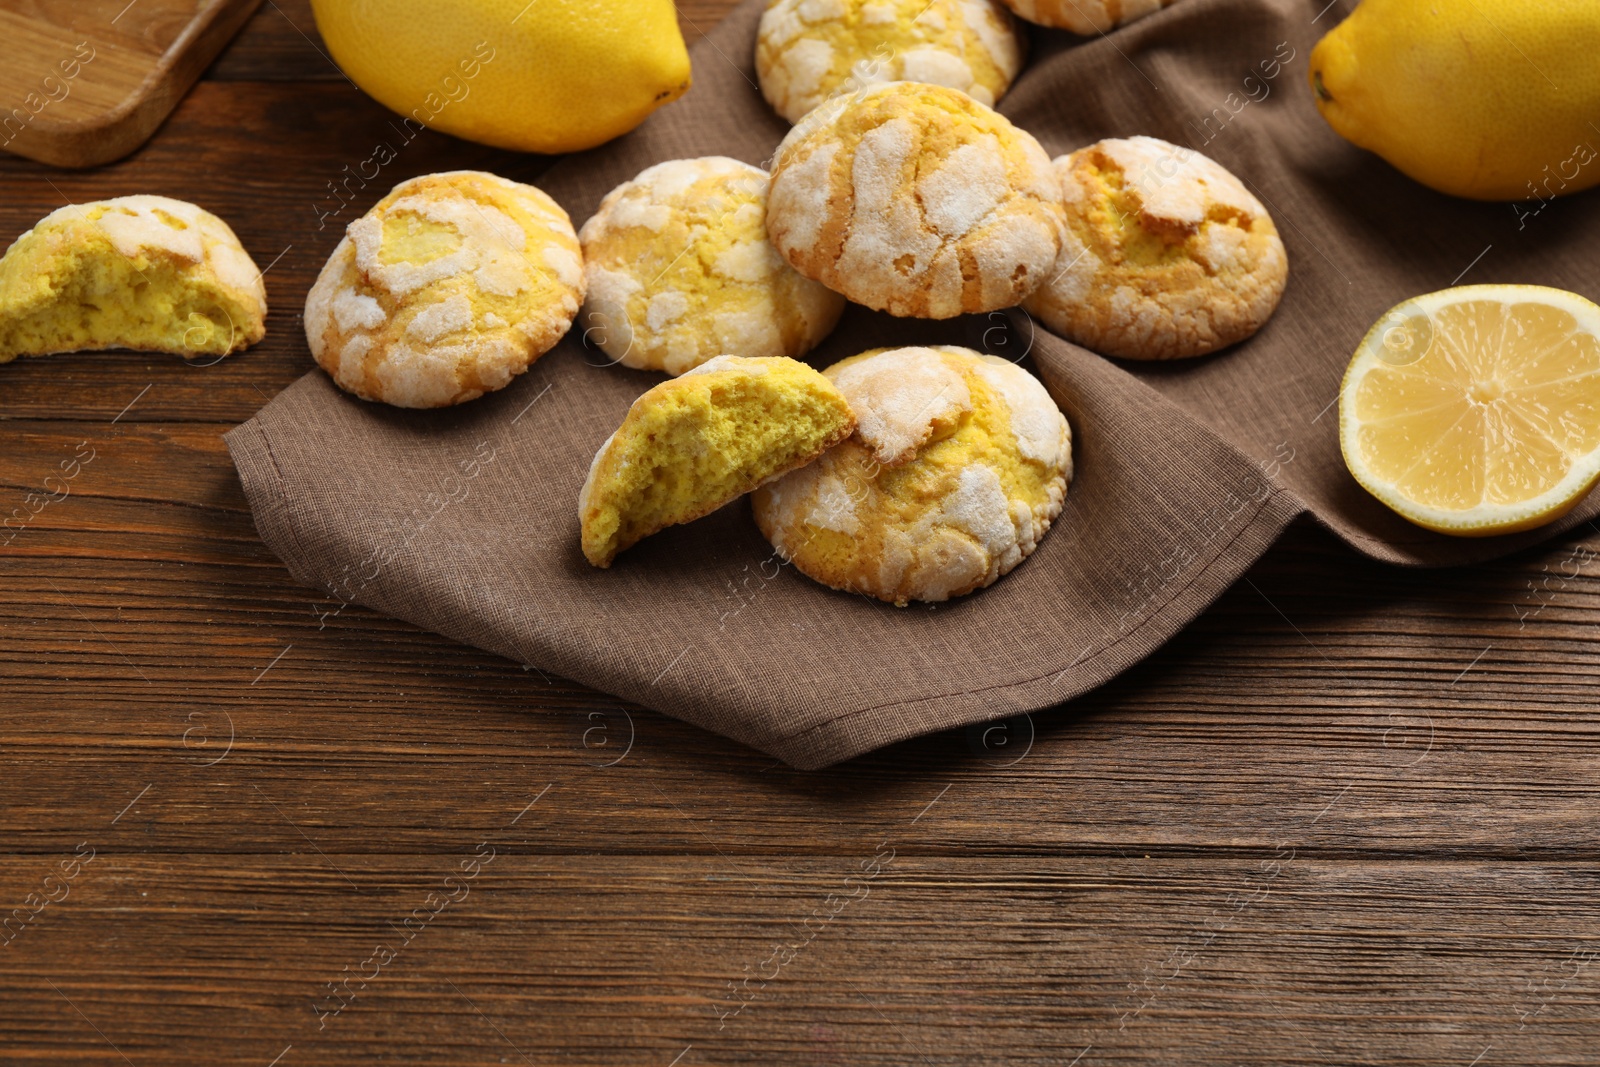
85,83
1346,817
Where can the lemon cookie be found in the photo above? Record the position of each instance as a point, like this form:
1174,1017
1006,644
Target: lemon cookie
447,289
692,444
809,50
141,272
958,467
1166,254
916,200
1085,16
680,269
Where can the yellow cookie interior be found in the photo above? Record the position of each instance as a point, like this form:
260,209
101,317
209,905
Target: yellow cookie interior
692,444
144,273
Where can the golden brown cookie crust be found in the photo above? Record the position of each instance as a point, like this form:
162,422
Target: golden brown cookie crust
916,200
679,270
1085,16
1167,255
810,50
447,289
985,478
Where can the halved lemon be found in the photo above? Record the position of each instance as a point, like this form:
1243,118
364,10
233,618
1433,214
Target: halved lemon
1476,410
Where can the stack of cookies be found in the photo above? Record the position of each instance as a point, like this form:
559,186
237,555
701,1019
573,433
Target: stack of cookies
912,473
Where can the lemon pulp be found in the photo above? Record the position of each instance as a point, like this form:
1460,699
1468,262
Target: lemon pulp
1476,410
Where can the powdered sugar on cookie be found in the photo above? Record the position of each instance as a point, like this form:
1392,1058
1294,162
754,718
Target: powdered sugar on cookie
916,200
447,289
680,270
958,466
1167,255
810,50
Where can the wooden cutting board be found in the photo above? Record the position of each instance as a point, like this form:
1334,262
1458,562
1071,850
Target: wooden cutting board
84,82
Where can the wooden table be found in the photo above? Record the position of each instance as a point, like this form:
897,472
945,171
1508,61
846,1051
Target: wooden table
1346,817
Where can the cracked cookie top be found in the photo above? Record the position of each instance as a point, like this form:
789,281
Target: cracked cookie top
916,200
1166,254
448,288
810,50
679,270
957,468
1085,16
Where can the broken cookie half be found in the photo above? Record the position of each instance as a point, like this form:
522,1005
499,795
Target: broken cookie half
143,272
696,442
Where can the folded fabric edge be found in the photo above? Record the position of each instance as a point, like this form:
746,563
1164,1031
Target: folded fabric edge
868,729
862,730
267,494
1462,551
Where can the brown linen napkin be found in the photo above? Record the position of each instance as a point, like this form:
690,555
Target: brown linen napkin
465,521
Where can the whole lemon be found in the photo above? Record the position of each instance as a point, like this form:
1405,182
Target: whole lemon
531,75
1488,99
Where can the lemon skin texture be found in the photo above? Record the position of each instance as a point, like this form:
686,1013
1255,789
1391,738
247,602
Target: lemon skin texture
1484,99
548,76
